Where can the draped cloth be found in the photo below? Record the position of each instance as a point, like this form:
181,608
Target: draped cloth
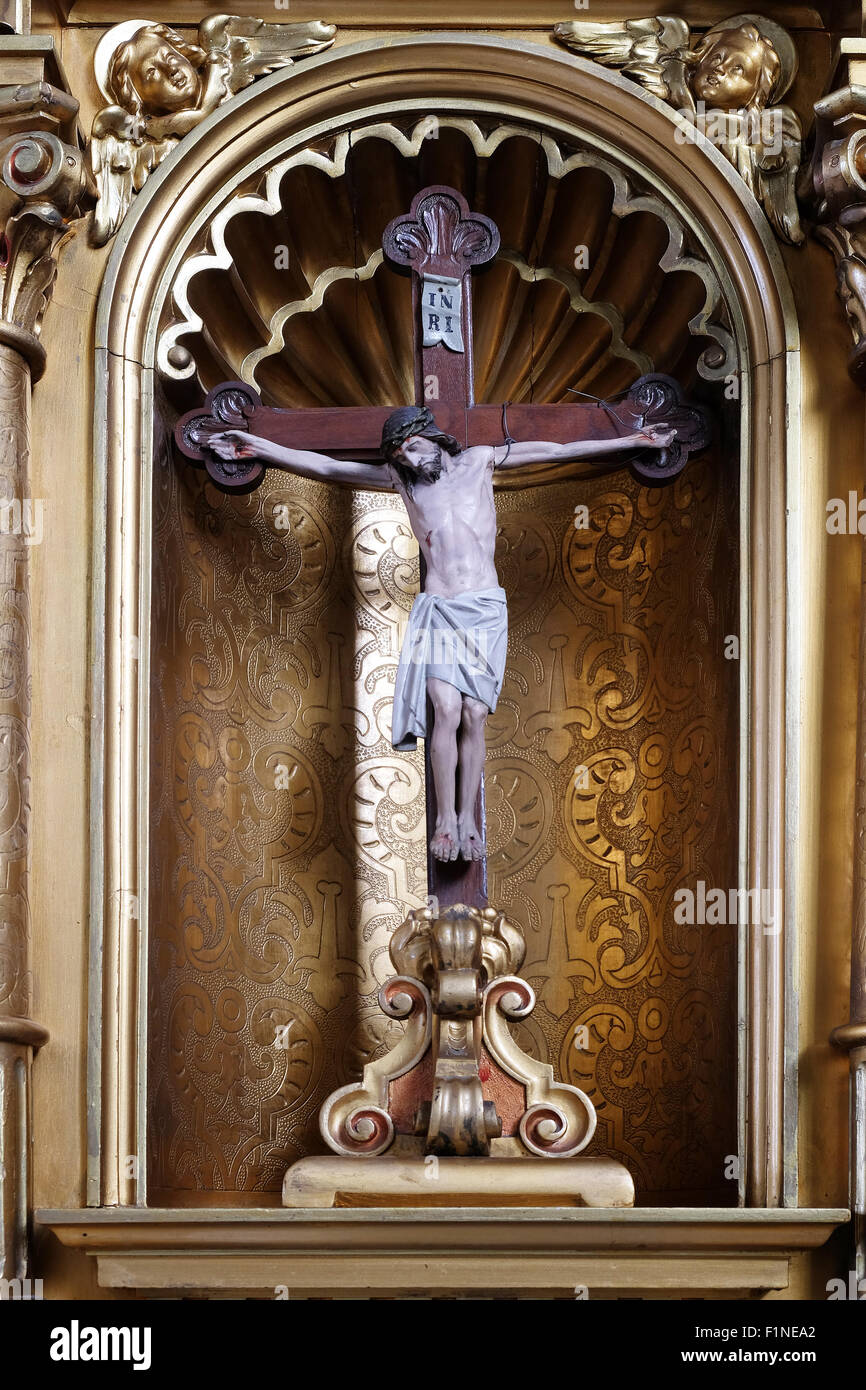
461,640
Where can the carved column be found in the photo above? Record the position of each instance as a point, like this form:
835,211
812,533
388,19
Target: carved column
18,1034
835,186
41,181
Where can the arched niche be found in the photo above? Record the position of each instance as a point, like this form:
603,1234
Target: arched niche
534,89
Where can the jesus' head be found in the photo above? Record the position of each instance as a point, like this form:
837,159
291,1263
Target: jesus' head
413,444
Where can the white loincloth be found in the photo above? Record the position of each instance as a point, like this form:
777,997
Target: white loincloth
461,640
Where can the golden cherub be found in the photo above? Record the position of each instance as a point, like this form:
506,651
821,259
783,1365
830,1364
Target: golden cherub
727,86
160,85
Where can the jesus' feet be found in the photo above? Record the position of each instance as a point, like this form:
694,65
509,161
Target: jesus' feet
445,844
471,840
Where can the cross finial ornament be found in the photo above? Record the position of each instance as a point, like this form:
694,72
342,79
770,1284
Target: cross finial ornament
441,241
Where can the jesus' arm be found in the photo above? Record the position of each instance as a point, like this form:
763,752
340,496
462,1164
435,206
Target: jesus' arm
237,444
540,451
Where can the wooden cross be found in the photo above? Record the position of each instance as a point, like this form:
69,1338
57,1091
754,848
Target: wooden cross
440,241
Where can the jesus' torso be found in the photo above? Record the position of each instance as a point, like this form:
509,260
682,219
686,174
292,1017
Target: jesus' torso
454,522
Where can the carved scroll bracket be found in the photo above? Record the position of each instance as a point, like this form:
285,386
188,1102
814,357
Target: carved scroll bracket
355,1118
47,179
833,186
457,990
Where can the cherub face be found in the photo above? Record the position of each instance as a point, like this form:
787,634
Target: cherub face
729,74
165,80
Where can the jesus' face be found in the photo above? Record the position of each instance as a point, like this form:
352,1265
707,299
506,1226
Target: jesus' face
422,456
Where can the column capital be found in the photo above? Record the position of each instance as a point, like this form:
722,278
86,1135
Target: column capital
42,180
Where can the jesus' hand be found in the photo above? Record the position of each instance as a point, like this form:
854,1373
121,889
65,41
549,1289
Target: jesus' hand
239,444
654,437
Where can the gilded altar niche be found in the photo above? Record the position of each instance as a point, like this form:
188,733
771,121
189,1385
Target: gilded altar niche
286,835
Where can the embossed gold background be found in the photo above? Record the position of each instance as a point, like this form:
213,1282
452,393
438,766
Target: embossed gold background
272,907
287,834
616,666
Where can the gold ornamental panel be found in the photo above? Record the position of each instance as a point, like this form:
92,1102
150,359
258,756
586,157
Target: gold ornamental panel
612,786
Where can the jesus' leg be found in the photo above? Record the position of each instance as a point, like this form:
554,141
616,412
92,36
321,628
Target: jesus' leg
471,764
446,700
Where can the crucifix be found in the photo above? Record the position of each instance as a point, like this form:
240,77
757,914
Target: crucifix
442,462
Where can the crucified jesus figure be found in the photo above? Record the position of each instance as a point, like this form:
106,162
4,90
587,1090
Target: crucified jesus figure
455,645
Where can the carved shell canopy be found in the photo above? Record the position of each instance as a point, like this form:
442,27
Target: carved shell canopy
595,282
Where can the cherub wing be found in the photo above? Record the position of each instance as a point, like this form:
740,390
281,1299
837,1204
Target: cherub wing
253,47
769,167
640,48
119,165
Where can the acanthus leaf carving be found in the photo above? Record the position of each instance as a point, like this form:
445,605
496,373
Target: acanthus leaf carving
833,187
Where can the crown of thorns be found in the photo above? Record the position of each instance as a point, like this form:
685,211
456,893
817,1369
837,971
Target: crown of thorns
410,420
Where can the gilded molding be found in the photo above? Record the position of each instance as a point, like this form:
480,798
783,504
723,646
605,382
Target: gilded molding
160,86
833,186
661,1252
